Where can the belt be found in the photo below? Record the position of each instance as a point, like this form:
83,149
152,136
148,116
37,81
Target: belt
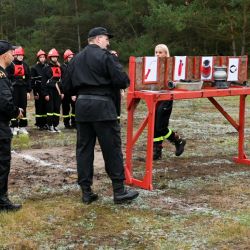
94,97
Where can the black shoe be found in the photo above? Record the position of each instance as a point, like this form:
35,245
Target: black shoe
179,143
125,196
7,205
57,130
88,198
179,146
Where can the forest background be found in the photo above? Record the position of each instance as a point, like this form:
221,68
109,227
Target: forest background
194,27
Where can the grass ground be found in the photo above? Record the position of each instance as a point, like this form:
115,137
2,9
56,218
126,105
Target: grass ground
200,200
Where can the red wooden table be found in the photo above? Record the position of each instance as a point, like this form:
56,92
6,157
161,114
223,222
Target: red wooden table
152,98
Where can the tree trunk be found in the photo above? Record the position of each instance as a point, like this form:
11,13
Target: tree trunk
15,26
77,26
231,30
244,29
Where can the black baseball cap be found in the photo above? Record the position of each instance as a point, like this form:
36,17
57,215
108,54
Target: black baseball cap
97,31
6,46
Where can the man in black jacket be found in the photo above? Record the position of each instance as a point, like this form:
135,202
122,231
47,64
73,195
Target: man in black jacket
95,75
7,111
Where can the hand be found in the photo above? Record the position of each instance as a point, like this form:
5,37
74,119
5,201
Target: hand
47,98
28,96
62,96
73,98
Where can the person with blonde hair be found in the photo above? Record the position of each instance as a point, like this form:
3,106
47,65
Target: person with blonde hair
162,116
161,50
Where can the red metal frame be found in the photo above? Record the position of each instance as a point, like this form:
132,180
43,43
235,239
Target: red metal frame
152,98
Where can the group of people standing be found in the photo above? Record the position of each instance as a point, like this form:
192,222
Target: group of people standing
45,80
90,81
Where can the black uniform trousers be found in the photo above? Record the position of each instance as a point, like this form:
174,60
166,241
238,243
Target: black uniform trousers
20,100
162,116
5,157
108,134
40,109
53,107
68,104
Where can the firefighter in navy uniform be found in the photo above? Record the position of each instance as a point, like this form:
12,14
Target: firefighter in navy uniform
94,75
51,90
19,74
8,110
68,102
36,80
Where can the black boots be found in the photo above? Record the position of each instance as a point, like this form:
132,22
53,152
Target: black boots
121,195
88,195
175,139
7,205
179,143
157,151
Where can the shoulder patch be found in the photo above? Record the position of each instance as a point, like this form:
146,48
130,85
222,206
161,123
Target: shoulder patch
2,74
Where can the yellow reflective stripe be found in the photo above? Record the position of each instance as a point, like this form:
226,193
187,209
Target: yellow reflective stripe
73,115
40,115
49,114
118,117
24,118
161,138
56,114
66,116
168,134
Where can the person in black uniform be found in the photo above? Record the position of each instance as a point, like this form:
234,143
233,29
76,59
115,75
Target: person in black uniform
162,116
36,80
68,102
94,75
8,110
51,90
19,74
